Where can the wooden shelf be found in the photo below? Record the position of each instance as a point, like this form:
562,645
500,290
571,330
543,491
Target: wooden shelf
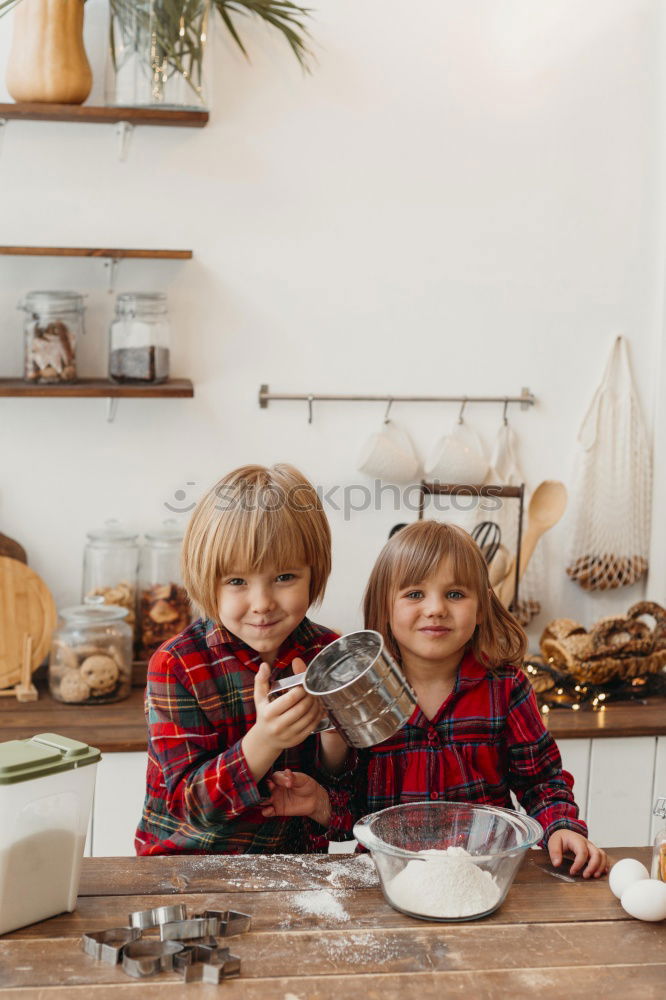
176,388
115,254
177,117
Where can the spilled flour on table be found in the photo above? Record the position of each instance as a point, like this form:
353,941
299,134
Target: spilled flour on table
360,949
321,903
360,872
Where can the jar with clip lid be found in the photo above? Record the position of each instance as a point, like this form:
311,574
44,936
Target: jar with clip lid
164,607
91,654
53,323
139,338
110,564
659,848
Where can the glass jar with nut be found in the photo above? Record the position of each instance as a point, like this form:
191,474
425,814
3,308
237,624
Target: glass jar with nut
91,655
110,565
53,324
164,607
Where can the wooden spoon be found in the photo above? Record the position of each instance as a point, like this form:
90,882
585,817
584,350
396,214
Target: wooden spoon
548,504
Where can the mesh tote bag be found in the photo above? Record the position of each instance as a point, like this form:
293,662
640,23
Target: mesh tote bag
611,508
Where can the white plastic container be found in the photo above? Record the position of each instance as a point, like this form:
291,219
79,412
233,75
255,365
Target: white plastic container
46,794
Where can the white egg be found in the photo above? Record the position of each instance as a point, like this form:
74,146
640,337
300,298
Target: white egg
645,900
624,873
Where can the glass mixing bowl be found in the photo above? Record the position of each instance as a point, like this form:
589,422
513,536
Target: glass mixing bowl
451,886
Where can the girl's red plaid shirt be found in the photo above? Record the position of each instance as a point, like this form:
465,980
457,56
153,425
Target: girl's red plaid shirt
487,740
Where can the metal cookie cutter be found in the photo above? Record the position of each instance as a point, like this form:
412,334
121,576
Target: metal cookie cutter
146,958
221,965
194,927
107,946
145,919
198,952
232,922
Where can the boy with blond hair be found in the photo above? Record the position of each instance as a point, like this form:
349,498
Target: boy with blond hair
256,555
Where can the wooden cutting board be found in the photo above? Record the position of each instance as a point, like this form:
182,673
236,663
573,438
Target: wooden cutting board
26,606
12,549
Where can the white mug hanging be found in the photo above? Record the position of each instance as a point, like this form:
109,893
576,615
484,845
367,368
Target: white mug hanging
458,457
389,454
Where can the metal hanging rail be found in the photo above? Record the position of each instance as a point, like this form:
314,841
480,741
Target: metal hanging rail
526,399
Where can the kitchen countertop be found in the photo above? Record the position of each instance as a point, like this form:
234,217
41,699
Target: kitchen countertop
121,727
550,939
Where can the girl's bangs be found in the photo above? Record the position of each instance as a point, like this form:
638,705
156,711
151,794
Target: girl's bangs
420,560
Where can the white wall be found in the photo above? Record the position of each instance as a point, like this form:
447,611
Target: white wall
462,198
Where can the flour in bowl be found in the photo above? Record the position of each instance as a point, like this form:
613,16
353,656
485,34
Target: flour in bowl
446,884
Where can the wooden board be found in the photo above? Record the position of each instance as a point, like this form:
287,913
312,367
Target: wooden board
11,549
41,111
116,253
617,982
122,726
550,939
260,874
26,607
174,388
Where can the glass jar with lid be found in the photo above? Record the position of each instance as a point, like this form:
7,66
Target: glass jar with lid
659,849
110,565
164,607
91,655
139,338
53,323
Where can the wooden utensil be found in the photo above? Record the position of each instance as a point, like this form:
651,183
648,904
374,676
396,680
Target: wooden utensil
26,609
12,549
499,566
546,507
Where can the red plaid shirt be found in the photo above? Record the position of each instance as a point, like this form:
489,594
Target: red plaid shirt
486,741
201,797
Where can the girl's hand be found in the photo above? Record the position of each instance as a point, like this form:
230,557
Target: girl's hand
289,719
583,851
296,794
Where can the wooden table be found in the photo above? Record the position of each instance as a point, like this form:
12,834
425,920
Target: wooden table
121,726
550,940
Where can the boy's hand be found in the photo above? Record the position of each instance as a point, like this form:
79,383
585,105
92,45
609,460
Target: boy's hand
583,851
296,794
289,719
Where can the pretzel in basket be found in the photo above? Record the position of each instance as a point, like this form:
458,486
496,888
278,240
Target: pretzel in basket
620,636
656,611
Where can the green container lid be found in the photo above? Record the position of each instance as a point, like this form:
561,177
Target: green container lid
47,753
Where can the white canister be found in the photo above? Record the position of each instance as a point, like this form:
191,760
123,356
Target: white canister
46,795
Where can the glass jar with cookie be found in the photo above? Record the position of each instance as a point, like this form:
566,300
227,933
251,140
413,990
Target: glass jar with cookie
164,607
110,566
91,655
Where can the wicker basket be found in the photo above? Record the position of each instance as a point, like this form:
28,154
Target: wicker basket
617,648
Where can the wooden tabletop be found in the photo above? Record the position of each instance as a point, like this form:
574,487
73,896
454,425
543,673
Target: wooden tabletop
121,725
550,939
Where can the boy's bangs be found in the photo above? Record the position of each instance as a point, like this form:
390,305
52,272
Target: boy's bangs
419,561
265,539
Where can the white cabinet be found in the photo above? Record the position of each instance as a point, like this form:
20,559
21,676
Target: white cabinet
620,794
119,793
576,760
